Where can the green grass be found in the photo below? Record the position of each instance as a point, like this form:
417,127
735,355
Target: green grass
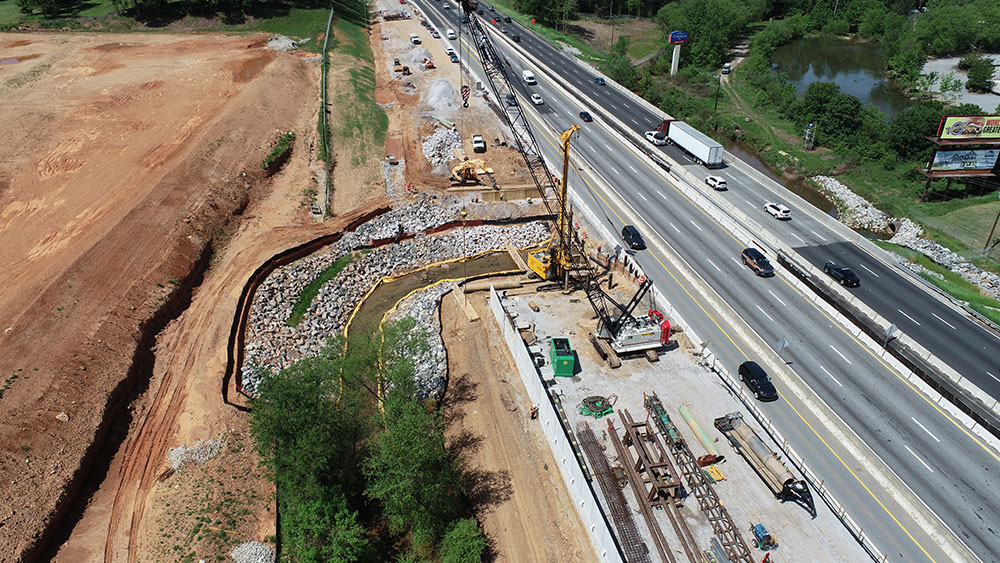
9,12
949,282
310,291
587,53
284,145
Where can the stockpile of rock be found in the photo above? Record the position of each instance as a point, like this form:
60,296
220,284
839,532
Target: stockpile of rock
856,213
272,345
442,97
199,453
252,552
430,366
439,146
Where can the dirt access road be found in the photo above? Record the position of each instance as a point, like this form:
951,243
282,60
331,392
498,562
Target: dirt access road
123,157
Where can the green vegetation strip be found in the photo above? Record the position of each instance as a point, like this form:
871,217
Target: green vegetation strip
587,53
311,290
950,282
284,145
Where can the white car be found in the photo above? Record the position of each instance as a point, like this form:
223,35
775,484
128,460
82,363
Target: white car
537,100
478,143
449,51
657,138
778,211
415,39
717,182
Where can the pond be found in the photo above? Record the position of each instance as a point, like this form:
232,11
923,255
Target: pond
858,68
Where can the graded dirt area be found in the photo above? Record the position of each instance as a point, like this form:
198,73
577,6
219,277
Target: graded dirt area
126,160
515,483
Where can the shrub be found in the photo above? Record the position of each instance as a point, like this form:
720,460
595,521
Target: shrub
280,153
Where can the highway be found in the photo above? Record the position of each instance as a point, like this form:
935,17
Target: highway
946,467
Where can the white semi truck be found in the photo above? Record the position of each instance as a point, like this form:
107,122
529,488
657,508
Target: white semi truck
705,151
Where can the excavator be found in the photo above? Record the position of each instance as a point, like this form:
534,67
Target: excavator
564,260
469,172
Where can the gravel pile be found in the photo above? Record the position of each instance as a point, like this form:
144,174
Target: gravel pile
443,98
272,345
431,366
395,179
280,43
199,453
252,552
855,211
909,235
439,147
417,54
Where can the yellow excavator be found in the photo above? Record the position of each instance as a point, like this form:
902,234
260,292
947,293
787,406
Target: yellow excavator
469,172
557,258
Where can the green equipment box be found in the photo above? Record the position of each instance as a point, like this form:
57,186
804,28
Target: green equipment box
561,355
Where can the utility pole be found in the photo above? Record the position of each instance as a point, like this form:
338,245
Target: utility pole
611,17
717,87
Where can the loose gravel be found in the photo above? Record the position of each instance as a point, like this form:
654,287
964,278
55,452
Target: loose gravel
252,552
199,453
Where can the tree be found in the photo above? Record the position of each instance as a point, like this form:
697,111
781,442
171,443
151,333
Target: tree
907,133
926,81
951,86
463,542
619,65
323,531
980,74
814,101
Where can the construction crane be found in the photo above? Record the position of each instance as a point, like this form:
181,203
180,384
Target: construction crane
618,331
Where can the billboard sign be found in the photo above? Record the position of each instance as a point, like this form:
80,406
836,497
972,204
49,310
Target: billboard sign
966,127
678,37
979,159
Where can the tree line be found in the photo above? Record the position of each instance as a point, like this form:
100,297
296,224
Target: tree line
149,10
359,479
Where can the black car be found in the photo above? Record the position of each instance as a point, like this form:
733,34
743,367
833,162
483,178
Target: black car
516,38
511,100
586,116
757,262
506,19
632,238
842,274
757,380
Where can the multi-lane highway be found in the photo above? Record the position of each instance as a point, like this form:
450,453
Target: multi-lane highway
948,468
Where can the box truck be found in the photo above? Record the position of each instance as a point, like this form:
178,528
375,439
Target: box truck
699,145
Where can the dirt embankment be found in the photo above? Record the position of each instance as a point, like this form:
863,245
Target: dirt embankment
130,159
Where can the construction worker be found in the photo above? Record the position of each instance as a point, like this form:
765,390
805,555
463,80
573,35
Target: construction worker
534,412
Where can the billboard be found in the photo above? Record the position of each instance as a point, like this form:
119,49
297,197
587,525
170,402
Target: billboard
979,159
678,37
966,127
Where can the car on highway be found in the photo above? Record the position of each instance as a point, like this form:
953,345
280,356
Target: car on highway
656,137
435,34
537,100
758,381
506,19
757,262
842,274
446,6
503,29
516,38
632,238
777,210
600,81
415,39
478,143
511,100
717,183
586,116
453,57
450,34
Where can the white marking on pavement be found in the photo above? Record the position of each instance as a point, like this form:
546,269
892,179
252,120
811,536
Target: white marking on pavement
831,376
632,169
798,237
945,322
634,121
907,316
642,196
841,355
918,458
713,265
748,202
674,228
817,234
869,270
776,297
607,147
993,376
735,260
925,429
695,224
661,194
591,147
615,170
765,313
